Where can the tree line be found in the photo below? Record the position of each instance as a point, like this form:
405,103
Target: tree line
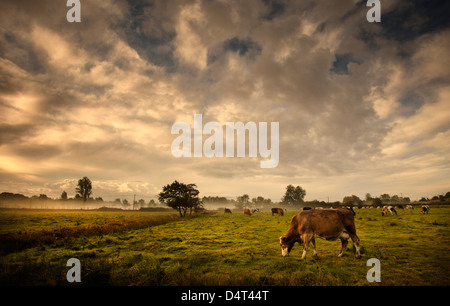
185,198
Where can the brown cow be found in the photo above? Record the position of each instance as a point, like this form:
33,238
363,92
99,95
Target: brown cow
228,211
278,211
247,212
328,224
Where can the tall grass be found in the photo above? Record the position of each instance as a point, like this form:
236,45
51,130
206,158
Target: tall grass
20,240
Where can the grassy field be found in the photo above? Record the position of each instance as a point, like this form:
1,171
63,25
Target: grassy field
147,248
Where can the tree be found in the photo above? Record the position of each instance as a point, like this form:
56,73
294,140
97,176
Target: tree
395,199
181,197
353,200
293,195
385,198
377,202
64,195
84,188
242,202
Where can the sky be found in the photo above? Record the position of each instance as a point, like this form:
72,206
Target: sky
362,107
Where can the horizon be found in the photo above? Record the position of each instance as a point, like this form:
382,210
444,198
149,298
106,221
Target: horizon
362,107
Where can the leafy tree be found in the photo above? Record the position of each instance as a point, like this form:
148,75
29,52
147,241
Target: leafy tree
377,202
84,188
385,198
293,195
353,200
181,197
64,195
242,201
43,197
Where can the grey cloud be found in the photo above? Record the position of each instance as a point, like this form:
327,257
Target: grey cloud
14,133
340,65
36,152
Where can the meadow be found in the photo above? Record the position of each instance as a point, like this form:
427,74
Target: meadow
150,248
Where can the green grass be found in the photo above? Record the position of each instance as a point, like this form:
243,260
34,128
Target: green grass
219,249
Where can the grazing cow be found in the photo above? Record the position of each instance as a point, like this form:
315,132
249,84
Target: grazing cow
328,224
278,211
409,207
425,209
247,212
384,211
228,211
392,210
255,210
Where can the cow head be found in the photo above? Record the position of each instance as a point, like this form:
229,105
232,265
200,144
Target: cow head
286,245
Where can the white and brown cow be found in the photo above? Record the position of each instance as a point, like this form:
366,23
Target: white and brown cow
425,209
328,224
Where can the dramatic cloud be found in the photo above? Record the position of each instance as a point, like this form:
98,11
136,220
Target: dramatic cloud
362,107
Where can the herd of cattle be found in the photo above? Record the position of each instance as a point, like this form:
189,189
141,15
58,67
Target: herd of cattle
328,224
385,210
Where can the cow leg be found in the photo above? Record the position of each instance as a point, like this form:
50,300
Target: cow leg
355,240
306,240
344,242
313,243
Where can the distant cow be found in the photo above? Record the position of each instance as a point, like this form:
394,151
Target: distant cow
386,209
425,209
278,211
247,212
392,209
255,210
228,211
328,224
